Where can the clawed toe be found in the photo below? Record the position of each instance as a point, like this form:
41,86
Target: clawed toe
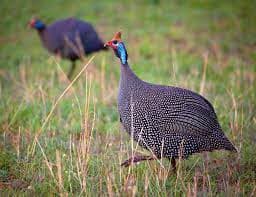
136,159
126,163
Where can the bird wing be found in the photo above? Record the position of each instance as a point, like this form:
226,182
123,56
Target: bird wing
178,110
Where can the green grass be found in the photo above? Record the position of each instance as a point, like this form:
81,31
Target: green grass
81,146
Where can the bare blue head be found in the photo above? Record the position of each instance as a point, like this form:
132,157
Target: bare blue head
119,48
37,24
122,53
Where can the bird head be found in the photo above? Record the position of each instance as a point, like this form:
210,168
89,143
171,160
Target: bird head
36,24
118,47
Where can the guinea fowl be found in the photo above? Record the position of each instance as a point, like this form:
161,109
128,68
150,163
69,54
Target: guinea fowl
170,122
69,38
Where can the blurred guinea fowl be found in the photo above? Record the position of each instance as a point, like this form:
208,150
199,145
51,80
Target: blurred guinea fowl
169,121
69,38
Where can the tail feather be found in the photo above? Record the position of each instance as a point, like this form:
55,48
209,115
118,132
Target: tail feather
229,146
225,144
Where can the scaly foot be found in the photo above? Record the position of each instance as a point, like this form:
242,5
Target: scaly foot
136,159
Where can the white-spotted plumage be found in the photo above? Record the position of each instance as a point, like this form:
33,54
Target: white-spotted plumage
169,121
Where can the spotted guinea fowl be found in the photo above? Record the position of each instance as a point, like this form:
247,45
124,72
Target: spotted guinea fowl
69,38
169,121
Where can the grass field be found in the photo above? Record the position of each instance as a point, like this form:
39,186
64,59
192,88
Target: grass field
81,144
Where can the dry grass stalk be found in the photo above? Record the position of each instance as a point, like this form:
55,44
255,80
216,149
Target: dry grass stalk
109,186
195,186
146,185
130,185
202,84
79,49
234,124
56,103
71,169
72,90
18,144
59,173
189,192
7,127
179,176
134,149
103,81
174,65
23,77
82,151
49,166
209,184
132,128
253,191
58,181
201,91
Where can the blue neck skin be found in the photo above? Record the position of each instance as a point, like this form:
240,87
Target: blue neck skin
127,75
122,53
39,25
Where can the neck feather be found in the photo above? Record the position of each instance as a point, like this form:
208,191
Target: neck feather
128,84
127,75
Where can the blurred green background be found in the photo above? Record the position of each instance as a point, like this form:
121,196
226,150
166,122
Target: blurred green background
167,42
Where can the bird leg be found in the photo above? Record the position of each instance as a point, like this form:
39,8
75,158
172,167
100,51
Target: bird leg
173,162
136,159
73,66
57,56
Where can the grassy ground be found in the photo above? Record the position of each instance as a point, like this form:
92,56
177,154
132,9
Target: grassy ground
82,144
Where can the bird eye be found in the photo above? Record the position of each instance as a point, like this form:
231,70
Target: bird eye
115,42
